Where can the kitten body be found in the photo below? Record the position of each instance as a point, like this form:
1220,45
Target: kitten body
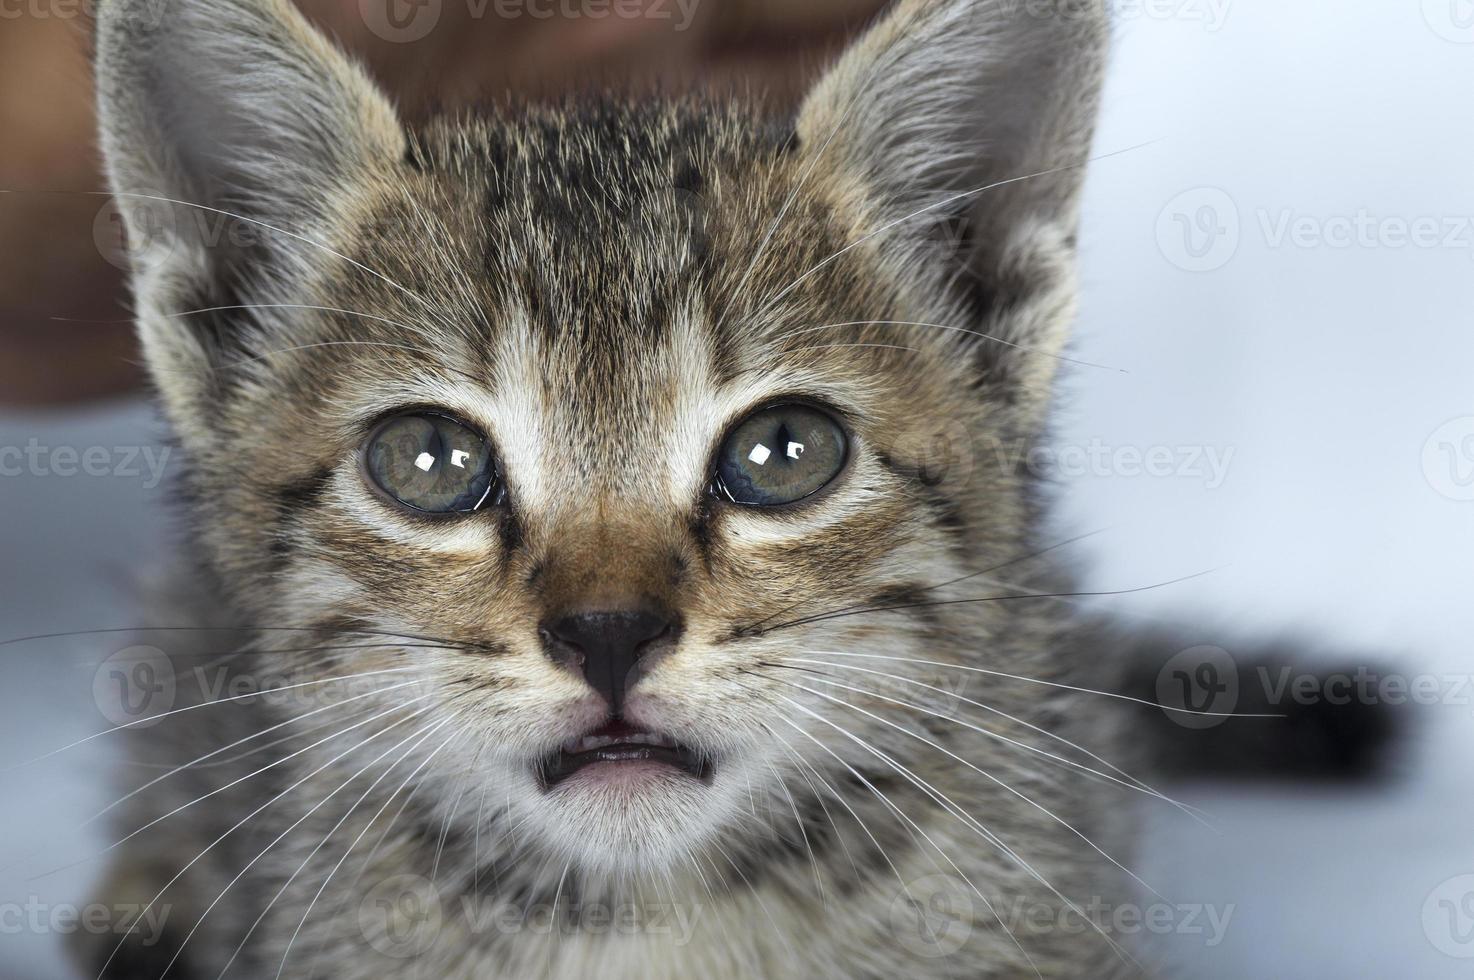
899,776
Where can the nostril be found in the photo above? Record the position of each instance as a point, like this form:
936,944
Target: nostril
608,646
621,631
560,651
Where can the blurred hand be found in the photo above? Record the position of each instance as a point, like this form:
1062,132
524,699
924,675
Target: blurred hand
452,50
64,335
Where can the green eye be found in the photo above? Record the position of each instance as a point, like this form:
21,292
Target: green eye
780,455
431,463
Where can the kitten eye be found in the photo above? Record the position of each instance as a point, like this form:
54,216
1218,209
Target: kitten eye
780,455
431,463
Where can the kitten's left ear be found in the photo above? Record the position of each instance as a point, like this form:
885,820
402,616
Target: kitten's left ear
941,99
237,105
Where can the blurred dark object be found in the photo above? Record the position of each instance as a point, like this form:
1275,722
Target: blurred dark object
1268,712
63,331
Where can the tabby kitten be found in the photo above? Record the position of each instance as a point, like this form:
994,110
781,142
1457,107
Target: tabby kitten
605,484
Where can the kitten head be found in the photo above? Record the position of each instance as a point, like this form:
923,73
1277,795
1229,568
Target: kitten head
598,420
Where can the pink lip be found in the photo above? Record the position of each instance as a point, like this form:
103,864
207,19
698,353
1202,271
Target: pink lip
628,775
619,753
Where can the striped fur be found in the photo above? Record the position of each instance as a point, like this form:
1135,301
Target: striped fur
604,287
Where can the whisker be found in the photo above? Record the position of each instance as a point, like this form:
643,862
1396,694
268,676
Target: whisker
792,805
236,782
369,858
914,350
308,732
803,765
297,823
855,100
915,827
294,736
475,769
450,813
344,819
885,855
929,208
240,362
757,897
205,704
267,651
1061,760
461,278
963,330
701,876
225,657
281,231
1053,684
957,811
992,598
756,627
553,915
346,630
300,306
476,840
1130,782
244,820
982,772
226,748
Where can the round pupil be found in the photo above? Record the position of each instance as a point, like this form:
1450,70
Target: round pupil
431,463
781,455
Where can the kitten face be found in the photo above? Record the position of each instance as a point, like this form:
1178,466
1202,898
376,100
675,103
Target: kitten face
604,381
600,296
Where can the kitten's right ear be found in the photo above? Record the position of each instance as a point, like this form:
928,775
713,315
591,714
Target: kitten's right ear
234,102
233,133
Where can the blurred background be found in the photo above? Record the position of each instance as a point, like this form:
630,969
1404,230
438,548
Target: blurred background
1280,266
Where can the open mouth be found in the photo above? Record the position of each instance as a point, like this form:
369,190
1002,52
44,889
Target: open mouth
621,744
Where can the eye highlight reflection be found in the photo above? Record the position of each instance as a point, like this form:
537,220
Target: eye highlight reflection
780,455
431,463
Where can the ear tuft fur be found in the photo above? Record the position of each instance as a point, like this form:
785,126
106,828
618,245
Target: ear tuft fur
232,132
968,123
233,101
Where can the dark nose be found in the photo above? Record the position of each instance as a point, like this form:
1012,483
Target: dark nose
608,647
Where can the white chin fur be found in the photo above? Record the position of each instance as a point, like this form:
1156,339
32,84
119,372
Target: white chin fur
644,825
